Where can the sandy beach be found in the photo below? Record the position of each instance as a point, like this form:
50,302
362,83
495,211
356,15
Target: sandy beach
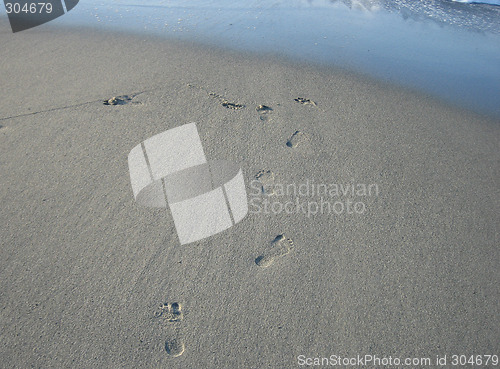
89,279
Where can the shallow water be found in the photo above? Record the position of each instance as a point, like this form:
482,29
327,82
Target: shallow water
449,49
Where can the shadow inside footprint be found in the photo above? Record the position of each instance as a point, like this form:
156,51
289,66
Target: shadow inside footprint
295,139
118,100
280,246
304,101
170,312
263,111
174,347
231,105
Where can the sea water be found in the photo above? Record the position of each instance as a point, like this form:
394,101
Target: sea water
446,48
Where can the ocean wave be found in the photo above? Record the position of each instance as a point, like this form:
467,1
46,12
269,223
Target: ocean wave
489,2
480,16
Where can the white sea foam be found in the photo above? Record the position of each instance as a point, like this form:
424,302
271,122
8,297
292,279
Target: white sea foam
490,2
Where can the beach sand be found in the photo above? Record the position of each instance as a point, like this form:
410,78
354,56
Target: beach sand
89,279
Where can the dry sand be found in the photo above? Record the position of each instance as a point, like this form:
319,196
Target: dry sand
90,280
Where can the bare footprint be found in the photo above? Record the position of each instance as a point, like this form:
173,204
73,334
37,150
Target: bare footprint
280,246
304,101
172,313
266,179
231,105
118,100
295,139
174,346
263,111
224,102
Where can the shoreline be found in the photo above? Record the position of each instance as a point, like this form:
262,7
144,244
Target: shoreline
419,49
325,70
264,57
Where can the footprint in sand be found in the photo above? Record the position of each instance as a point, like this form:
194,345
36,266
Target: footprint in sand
295,139
174,347
263,111
304,101
266,179
226,103
223,101
118,100
280,246
230,105
171,313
